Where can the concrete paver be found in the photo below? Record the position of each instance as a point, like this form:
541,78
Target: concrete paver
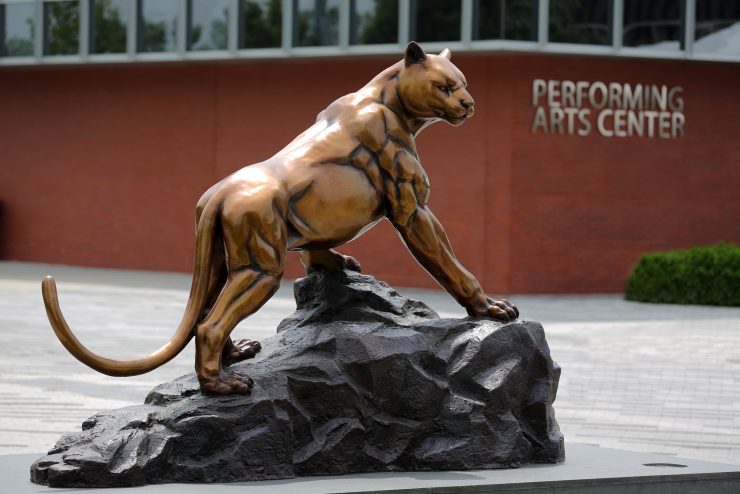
641,377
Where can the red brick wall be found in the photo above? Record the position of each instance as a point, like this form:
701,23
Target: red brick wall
102,166
586,207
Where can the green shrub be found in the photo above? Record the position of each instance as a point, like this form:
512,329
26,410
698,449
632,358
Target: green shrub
701,275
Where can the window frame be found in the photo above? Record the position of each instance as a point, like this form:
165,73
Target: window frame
344,48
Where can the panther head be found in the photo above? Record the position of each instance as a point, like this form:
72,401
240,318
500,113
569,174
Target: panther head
432,88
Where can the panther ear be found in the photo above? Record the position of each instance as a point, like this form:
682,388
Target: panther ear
414,54
446,53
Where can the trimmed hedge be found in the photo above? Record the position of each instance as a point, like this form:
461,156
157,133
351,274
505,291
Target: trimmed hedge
700,275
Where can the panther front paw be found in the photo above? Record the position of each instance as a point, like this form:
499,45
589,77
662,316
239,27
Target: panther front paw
501,310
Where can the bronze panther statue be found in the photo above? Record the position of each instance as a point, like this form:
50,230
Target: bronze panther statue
355,166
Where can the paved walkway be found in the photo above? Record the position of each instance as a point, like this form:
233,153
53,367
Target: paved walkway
641,377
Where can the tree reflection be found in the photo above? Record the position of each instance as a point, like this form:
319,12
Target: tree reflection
209,24
318,26
155,36
262,23
109,30
379,24
62,23
504,19
653,24
580,21
436,20
218,34
16,46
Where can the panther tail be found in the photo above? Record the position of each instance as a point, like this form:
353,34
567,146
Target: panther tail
205,235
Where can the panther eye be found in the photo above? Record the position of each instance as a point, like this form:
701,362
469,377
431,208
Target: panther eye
445,89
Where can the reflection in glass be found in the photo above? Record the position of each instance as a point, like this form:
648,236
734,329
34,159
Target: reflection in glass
109,24
374,21
316,23
435,20
581,21
209,21
158,25
505,19
717,26
261,25
653,24
61,28
17,30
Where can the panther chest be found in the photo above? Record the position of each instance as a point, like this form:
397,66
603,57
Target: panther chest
337,203
390,159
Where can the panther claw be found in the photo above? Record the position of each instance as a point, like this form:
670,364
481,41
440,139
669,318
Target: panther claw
236,351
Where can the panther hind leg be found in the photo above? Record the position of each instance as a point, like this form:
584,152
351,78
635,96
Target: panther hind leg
236,351
254,236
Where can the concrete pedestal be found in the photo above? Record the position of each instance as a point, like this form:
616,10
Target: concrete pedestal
587,470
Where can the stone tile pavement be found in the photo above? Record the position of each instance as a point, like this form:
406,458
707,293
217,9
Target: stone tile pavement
640,377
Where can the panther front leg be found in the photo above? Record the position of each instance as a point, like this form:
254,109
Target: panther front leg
328,259
427,241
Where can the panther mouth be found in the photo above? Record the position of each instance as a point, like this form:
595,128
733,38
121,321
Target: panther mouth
454,118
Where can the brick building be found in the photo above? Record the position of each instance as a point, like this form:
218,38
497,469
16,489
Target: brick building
603,129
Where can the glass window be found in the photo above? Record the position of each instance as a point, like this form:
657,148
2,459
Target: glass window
261,24
435,20
17,30
717,26
652,24
109,24
505,19
209,25
158,25
61,28
374,21
581,21
316,23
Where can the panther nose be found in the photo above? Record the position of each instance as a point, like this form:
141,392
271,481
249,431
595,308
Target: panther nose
467,102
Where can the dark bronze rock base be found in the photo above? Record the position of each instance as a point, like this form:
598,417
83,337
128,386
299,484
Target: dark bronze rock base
358,379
